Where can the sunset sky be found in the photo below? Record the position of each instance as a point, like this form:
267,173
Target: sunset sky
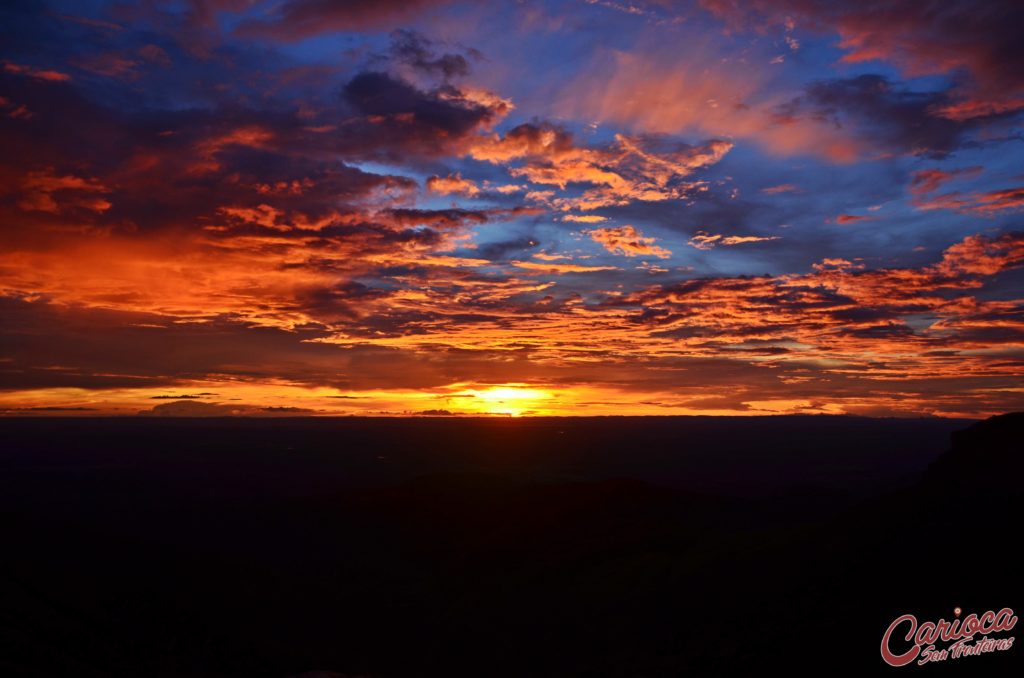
580,207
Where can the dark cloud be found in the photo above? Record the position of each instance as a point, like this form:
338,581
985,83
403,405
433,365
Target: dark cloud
174,168
881,113
975,43
506,249
399,118
189,408
55,345
183,396
419,52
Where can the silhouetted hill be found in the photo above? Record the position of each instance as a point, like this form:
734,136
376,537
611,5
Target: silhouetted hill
985,456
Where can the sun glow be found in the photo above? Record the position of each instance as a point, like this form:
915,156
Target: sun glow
511,400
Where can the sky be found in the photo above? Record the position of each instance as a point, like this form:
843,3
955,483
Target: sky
242,207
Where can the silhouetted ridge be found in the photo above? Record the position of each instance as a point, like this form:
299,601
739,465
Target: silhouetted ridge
985,456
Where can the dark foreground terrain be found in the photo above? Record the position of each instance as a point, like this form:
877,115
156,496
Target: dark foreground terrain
489,547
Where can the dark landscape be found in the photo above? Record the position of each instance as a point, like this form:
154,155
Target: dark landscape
498,547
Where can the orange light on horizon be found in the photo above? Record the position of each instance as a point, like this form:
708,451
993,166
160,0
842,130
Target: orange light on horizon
269,398
513,400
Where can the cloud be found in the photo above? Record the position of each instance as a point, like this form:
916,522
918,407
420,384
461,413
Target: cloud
452,184
697,88
702,240
41,190
183,396
648,168
927,181
999,200
881,114
701,88
37,73
978,255
744,239
508,189
418,52
191,408
976,44
862,310
844,219
584,218
539,140
396,115
839,332
779,188
981,202
627,241
499,251
558,269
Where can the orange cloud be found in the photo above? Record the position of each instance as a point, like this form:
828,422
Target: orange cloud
508,189
927,181
984,202
648,169
37,73
627,241
977,255
522,141
558,269
968,109
843,219
584,218
703,240
46,191
836,335
743,239
998,201
702,92
452,184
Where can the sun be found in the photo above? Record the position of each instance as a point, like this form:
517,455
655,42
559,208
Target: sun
511,400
